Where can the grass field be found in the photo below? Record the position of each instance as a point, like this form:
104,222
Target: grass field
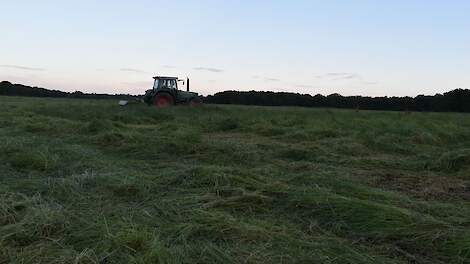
87,181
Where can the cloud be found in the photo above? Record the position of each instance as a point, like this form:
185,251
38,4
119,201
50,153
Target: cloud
207,69
266,79
339,76
168,66
272,79
304,86
132,70
370,83
348,76
18,67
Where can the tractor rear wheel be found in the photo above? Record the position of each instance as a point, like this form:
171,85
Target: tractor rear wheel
163,100
196,101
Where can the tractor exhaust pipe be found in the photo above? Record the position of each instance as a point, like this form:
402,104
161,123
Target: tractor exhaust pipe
187,84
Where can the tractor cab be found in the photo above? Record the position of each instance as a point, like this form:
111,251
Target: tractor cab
162,83
165,92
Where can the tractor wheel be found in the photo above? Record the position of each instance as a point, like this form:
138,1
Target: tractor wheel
196,101
163,100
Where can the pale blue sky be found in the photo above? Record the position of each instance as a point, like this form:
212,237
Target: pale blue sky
349,47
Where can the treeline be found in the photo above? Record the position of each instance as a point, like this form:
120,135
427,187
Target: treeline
454,101
457,100
7,88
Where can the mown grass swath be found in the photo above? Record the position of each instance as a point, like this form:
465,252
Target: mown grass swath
87,181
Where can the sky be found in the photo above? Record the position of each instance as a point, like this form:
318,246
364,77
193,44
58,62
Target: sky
351,47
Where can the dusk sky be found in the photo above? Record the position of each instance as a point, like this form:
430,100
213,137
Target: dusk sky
349,47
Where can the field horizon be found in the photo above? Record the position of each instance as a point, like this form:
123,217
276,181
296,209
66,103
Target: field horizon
456,100
88,181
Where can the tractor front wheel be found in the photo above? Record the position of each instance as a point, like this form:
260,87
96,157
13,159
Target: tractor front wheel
196,101
163,100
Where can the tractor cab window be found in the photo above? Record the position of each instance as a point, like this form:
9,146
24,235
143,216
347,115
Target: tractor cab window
171,84
165,84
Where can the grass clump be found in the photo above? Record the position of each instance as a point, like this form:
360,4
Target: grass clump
454,160
97,125
112,138
26,220
33,160
296,154
227,124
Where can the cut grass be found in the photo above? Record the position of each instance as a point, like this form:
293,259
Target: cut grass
87,181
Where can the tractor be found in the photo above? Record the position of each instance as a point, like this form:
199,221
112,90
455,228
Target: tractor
165,93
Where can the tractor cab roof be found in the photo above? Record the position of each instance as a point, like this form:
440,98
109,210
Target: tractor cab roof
165,78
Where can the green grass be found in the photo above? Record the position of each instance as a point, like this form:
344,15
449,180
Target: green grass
87,181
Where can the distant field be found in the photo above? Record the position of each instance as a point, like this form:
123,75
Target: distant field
87,181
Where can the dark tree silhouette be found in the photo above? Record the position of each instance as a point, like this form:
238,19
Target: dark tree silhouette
457,100
454,101
7,88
